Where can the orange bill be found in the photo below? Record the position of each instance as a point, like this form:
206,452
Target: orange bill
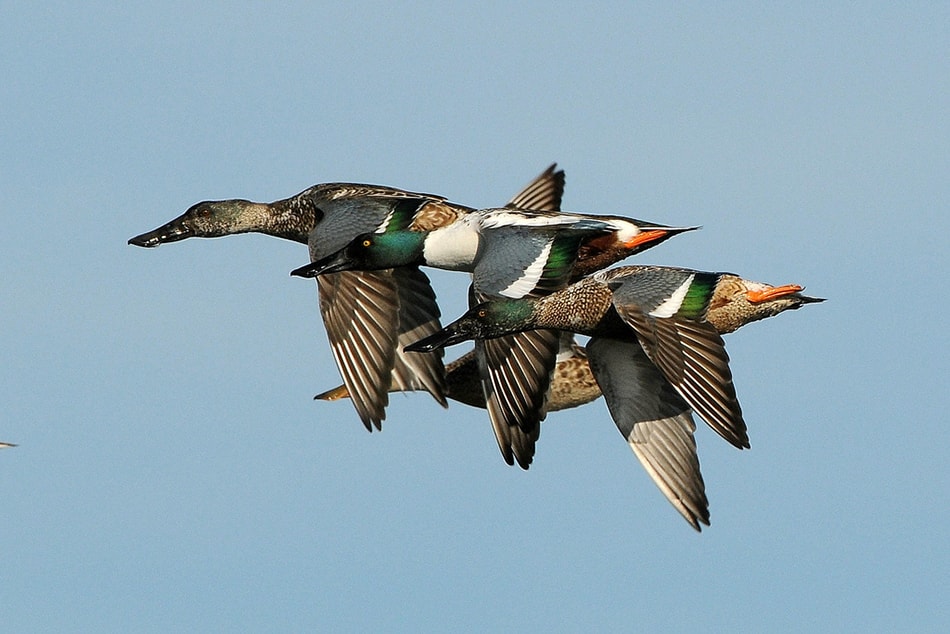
757,297
645,237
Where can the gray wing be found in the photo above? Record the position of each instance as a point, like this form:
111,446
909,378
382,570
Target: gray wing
510,261
344,219
361,312
692,356
655,421
544,192
647,286
514,261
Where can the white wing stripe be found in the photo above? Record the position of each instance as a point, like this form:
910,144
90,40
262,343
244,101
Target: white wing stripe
671,305
529,279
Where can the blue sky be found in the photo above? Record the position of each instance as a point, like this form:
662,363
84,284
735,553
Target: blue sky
173,472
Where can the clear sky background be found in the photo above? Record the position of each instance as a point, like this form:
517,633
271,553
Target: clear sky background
173,472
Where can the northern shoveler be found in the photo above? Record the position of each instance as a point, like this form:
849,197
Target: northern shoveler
370,315
655,351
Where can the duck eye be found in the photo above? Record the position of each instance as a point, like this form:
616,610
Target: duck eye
367,242
482,312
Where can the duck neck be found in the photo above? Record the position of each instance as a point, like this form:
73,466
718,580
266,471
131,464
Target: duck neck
291,218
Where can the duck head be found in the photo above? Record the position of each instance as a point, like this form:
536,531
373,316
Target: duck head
485,321
739,301
208,219
371,252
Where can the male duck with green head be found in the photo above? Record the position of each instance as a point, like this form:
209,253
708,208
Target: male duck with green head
511,253
369,315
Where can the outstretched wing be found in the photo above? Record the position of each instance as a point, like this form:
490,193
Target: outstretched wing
370,315
515,371
654,420
361,312
687,349
418,318
544,192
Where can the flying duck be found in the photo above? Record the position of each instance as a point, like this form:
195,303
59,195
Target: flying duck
656,353
369,315
511,253
572,383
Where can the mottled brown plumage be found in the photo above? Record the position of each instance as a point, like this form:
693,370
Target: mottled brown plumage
572,383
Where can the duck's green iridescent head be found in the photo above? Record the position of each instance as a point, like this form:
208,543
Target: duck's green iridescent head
485,321
208,219
370,252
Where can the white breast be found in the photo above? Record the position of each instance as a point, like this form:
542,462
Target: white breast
452,247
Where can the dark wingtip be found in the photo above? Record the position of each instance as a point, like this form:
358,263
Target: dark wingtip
698,521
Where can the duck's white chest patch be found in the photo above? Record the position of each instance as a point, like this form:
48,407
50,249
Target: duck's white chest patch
452,247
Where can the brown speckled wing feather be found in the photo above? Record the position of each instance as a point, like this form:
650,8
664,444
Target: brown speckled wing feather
572,383
692,356
361,311
543,193
418,318
516,372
